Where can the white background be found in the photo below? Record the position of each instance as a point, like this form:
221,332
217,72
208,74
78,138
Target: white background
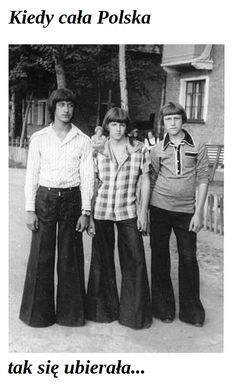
173,22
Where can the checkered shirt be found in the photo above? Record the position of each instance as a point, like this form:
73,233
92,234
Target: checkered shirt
116,198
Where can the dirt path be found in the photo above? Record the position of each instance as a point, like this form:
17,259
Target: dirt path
175,337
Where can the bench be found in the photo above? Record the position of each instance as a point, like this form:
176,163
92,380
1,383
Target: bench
216,157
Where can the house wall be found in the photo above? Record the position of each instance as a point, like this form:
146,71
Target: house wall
211,131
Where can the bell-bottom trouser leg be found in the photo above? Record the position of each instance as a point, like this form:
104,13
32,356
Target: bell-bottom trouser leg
133,309
190,307
56,213
163,300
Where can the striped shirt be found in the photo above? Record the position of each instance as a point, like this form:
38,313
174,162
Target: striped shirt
175,172
59,164
116,198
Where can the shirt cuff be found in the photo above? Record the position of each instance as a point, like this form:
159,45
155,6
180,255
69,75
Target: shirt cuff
86,204
30,206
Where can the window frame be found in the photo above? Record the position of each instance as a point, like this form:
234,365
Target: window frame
182,96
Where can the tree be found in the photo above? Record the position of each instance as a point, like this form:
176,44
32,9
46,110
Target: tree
28,74
98,74
123,80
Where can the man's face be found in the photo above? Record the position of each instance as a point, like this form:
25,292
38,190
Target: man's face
64,111
99,132
116,130
173,124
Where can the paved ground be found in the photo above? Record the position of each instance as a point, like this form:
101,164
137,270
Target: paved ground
175,337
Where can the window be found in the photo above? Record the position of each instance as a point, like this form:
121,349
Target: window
194,97
38,113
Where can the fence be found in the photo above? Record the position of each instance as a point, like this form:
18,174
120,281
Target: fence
16,153
214,213
16,143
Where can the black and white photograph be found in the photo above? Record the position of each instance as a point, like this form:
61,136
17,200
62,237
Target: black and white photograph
118,192
116,156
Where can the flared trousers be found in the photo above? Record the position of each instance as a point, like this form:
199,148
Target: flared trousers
163,301
133,307
58,211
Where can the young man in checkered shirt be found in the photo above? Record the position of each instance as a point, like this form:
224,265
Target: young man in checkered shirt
118,167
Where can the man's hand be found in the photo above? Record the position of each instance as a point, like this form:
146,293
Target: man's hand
32,221
91,228
82,223
142,222
196,223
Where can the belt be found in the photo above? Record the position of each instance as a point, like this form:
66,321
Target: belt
61,189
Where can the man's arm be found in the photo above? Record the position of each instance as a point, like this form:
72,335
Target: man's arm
31,184
196,223
202,170
145,196
86,175
91,228
86,184
155,166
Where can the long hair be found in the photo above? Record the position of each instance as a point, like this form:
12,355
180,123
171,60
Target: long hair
117,114
62,94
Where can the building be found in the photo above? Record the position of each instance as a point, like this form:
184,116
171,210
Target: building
195,78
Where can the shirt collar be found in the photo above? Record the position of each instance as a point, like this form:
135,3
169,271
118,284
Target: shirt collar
130,148
73,132
186,140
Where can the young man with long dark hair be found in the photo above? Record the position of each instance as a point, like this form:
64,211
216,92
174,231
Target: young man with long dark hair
58,190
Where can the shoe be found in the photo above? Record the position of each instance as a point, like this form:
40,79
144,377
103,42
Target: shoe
193,323
198,324
167,320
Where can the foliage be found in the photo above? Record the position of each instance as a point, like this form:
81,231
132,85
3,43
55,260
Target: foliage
92,71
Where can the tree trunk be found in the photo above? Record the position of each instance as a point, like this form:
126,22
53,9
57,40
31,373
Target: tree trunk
59,69
99,105
24,127
12,116
123,81
60,75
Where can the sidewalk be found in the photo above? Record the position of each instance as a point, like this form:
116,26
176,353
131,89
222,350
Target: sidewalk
113,338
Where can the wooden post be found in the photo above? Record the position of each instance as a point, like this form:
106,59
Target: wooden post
215,208
210,212
221,201
205,220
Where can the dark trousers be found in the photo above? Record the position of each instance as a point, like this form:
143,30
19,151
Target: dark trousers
57,211
133,308
163,302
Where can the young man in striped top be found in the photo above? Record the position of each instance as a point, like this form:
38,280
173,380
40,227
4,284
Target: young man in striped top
58,190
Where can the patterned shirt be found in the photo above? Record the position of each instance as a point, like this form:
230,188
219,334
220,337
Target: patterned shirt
61,164
175,172
116,198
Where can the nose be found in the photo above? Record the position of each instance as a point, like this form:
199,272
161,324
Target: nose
172,121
